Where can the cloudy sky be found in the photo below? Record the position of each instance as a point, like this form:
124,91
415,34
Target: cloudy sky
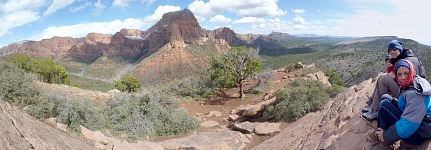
41,19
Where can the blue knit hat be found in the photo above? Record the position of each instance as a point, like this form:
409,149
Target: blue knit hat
400,63
395,44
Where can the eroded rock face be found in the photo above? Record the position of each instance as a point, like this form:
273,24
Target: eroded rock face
47,48
20,131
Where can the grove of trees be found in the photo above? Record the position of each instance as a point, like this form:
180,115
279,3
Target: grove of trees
46,70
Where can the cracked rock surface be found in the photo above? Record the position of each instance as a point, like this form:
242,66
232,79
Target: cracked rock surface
18,130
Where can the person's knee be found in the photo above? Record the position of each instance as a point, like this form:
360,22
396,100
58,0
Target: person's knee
385,78
386,96
385,102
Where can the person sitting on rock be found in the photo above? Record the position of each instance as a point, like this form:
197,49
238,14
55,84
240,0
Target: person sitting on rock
386,83
409,118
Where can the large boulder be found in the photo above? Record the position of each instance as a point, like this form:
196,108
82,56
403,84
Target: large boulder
21,131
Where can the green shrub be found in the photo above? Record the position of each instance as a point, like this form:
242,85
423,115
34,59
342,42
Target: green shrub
150,115
43,108
299,98
128,84
334,77
16,86
334,90
305,71
81,112
195,87
259,89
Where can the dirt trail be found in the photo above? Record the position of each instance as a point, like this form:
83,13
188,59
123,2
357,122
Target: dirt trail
228,99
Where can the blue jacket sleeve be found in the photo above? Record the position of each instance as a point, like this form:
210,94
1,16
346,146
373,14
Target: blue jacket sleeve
413,114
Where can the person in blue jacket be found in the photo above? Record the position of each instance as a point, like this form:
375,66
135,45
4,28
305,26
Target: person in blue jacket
409,118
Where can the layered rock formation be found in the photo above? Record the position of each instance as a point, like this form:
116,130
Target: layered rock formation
47,48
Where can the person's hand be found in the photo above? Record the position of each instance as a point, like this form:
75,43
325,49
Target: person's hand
379,134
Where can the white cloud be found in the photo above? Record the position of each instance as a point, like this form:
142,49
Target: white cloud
148,1
125,3
158,13
80,7
244,20
298,20
243,8
199,18
201,8
15,13
98,8
57,5
299,27
406,19
275,20
298,11
12,6
16,19
220,18
120,3
81,30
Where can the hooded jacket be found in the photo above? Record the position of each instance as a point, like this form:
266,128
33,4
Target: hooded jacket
408,54
415,103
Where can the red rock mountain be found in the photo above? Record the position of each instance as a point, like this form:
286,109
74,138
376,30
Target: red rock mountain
175,46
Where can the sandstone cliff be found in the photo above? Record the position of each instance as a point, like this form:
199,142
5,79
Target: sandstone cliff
47,48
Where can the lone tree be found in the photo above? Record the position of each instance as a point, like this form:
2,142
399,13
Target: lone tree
235,66
128,84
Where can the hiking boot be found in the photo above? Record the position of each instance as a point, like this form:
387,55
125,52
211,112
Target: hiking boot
367,109
371,115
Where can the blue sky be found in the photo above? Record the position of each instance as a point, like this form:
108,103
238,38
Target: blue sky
41,19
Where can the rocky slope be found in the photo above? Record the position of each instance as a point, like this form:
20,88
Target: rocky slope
336,126
20,131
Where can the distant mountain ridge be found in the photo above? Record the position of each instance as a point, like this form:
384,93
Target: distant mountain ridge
175,33
176,47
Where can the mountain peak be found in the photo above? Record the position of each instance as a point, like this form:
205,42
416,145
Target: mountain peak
179,26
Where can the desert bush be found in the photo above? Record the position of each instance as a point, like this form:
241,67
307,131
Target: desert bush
259,89
299,98
152,114
334,77
43,108
128,84
194,87
334,90
16,86
305,71
81,112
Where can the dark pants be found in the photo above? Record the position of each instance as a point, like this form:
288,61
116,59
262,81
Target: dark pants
389,114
